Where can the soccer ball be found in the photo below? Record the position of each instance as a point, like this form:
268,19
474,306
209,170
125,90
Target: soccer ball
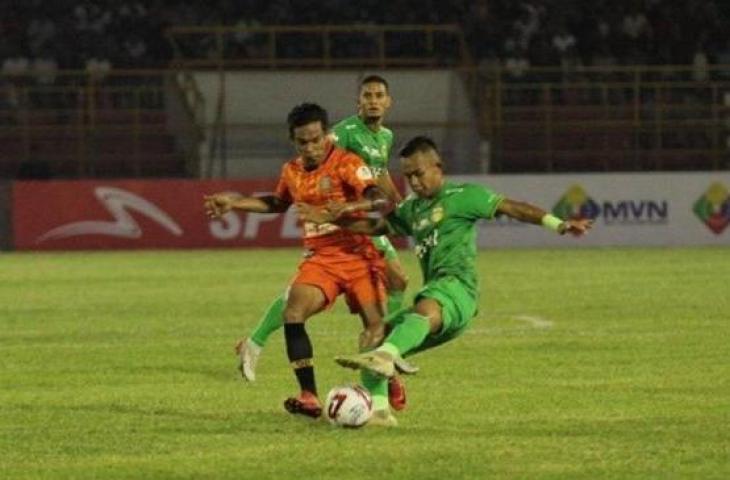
349,406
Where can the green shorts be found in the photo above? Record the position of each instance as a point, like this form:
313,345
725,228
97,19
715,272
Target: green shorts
382,244
458,307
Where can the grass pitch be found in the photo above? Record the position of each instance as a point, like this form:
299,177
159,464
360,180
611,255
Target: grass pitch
581,364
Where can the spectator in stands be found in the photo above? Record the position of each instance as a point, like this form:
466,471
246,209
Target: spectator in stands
660,31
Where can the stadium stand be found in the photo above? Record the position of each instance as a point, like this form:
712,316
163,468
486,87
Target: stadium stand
558,85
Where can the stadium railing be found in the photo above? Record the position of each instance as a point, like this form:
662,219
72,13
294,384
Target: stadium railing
549,119
319,46
557,119
614,118
85,124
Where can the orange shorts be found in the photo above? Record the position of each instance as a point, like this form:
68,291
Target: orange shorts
362,280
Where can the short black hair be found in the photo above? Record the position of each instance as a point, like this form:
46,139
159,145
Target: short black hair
420,143
375,79
304,114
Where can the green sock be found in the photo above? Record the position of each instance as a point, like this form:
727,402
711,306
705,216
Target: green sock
395,300
376,385
378,388
272,321
409,332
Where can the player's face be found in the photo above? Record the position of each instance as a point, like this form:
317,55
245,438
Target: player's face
423,172
310,141
374,101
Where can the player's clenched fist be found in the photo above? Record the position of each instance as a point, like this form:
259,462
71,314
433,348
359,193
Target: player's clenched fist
576,227
218,204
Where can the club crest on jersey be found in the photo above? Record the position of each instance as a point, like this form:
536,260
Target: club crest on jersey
364,173
325,184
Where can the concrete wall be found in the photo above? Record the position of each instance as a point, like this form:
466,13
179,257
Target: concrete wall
256,104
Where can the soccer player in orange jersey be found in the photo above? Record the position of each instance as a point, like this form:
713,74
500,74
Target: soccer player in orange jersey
336,261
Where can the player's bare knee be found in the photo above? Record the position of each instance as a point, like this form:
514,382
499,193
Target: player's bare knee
294,315
396,278
397,283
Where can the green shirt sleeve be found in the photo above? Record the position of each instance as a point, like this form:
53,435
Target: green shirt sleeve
399,220
477,201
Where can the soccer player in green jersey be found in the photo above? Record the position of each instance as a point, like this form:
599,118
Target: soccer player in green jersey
441,217
365,135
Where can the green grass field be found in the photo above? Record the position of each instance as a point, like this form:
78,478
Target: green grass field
601,363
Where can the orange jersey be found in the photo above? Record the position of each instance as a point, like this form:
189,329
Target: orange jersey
341,177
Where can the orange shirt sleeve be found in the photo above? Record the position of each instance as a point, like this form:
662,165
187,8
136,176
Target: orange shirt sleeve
355,173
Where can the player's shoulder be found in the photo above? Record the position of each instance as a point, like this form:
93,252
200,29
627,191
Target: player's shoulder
347,123
464,188
292,169
291,165
346,157
454,188
345,163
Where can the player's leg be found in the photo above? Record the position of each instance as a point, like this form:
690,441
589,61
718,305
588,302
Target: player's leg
442,312
305,299
366,295
249,349
397,281
370,338
410,331
395,275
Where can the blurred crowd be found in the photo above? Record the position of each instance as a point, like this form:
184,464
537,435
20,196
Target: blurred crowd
43,36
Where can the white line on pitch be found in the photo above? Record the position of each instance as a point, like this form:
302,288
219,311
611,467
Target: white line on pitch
537,322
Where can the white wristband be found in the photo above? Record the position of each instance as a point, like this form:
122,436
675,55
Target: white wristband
551,222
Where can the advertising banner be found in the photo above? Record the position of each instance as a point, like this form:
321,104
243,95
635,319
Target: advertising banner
666,209
127,214
638,209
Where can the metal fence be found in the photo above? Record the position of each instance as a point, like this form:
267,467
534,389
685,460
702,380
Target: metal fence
80,124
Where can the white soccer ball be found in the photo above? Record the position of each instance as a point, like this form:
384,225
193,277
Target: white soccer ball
349,406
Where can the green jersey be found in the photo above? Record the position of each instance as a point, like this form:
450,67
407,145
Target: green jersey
444,229
374,147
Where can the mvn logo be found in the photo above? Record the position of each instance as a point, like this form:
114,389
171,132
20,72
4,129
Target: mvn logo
713,208
576,204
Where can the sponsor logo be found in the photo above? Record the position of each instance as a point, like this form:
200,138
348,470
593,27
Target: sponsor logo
371,151
378,171
118,203
364,173
713,208
437,214
431,241
577,204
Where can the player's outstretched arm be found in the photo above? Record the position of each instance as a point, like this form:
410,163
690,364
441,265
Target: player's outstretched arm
385,182
374,200
319,215
526,212
220,203
366,226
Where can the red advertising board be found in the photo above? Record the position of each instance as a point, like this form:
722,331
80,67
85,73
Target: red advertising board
127,214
